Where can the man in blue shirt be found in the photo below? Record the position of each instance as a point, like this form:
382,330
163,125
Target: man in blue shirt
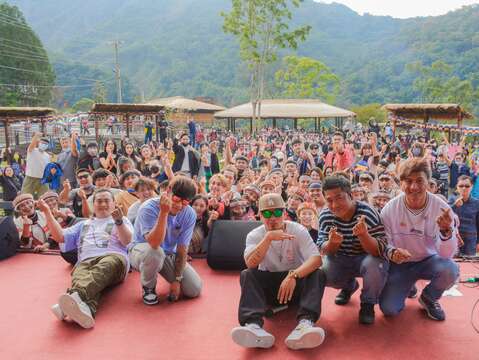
467,209
163,231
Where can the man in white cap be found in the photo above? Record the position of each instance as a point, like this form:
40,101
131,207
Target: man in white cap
283,267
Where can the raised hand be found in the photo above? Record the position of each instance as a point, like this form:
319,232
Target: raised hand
117,214
67,185
459,202
42,206
335,237
279,235
445,220
400,256
361,228
165,203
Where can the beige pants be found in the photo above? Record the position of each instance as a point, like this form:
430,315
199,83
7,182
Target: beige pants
34,186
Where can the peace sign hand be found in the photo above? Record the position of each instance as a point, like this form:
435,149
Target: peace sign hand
445,220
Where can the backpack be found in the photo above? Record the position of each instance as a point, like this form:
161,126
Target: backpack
9,238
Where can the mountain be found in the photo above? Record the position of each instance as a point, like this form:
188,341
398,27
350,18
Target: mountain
177,47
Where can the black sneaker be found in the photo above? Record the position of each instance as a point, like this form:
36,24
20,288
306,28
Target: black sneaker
433,308
412,293
366,314
149,296
345,295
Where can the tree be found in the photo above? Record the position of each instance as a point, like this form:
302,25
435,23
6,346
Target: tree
26,75
304,77
83,105
436,83
366,112
261,26
99,92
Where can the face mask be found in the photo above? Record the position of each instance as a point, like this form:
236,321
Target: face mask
130,190
43,146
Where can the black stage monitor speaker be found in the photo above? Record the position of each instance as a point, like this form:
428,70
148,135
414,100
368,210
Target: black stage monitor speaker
226,244
9,238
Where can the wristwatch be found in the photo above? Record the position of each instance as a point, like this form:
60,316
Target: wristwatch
119,222
179,278
293,274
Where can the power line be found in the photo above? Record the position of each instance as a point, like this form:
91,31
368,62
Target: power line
28,52
47,86
11,17
11,23
20,43
25,58
19,69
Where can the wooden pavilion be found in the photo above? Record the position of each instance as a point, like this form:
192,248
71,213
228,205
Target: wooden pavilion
10,115
286,109
180,109
125,112
452,113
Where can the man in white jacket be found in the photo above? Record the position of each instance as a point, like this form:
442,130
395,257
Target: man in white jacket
422,224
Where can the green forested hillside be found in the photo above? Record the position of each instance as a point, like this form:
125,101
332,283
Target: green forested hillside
26,75
178,47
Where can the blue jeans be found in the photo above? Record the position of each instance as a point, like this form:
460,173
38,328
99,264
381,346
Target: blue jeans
470,243
341,272
442,273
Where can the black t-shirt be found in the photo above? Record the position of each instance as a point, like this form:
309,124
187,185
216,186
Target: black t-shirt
104,155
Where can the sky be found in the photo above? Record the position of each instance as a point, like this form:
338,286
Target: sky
403,8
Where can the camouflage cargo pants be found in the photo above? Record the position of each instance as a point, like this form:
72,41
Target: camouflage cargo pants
91,276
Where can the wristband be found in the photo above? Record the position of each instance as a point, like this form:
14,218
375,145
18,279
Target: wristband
119,222
293,274
445,234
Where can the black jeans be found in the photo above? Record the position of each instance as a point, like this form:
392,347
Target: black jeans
260,289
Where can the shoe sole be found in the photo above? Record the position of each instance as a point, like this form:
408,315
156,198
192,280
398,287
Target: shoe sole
71,309
427,311
246,338
352,293
307,341
58,313
150,303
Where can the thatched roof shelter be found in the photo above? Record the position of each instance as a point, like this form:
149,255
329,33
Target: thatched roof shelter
183,104
286,109
9,115
401,113
430,111
126,108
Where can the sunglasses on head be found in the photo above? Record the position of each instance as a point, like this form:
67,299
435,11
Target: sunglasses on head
178,199
268,213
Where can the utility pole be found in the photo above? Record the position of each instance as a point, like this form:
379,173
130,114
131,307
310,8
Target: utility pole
117,71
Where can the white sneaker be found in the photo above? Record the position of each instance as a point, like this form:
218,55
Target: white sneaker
252,336
72,306
305,336
57,311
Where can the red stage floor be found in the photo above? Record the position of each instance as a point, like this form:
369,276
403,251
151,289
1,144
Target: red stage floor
200,328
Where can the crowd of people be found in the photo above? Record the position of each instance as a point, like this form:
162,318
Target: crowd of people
335,206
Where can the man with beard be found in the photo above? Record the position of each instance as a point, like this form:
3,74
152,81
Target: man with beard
282,263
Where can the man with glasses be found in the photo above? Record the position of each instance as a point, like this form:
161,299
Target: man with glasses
467,209
79,196
422,224
283,263
163,230
102,256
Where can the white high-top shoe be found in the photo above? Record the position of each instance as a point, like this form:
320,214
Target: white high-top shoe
72,306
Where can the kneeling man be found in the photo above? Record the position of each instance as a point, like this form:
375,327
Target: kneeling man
421,223
283,267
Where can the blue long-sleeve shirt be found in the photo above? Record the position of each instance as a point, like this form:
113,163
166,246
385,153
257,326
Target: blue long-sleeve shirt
468,215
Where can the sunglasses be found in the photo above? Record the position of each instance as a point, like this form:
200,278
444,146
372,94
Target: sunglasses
463,186
268,213
83,176
178,199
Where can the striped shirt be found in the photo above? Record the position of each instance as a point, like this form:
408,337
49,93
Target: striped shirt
351,246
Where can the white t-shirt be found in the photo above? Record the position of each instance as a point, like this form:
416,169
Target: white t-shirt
417,233
36,162
283,255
